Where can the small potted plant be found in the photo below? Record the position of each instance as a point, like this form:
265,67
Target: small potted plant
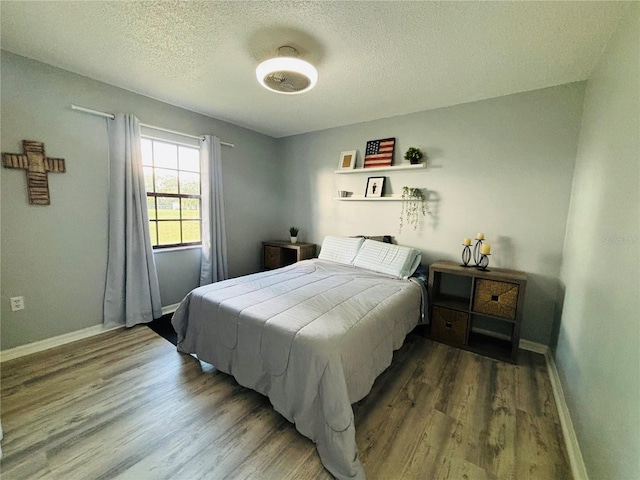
293,231
414,155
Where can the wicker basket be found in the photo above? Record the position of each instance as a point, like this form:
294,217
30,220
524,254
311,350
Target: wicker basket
449,326
496,298
272,257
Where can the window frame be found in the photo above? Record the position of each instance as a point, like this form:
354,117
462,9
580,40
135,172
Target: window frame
155,195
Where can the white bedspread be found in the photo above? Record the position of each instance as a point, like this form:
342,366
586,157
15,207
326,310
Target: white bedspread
312,337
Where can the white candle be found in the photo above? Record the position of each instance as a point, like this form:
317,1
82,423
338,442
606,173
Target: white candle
480,236
466,241
485,249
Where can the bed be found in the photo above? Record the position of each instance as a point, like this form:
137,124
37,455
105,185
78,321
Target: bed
312,336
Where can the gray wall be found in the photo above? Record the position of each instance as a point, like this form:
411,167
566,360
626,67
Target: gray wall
55,256
598,350
502,166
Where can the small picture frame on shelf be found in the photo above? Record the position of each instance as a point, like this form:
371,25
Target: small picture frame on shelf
375,185
347,160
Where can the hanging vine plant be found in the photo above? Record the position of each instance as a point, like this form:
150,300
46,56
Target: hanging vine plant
414,205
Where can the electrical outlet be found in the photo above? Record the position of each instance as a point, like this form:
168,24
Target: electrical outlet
17,303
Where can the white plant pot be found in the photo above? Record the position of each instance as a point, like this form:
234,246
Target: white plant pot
294,239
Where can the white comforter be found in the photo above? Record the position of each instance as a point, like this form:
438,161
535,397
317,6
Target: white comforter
313,337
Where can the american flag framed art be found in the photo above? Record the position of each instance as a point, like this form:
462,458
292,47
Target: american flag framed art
379,153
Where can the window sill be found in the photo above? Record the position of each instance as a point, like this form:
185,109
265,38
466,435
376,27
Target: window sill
176,249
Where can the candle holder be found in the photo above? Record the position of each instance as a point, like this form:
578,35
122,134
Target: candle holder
466,255
484,262
476,252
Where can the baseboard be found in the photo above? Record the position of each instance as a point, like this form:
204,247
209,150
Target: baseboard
48,343
533,347
489,333
578,468
524,344
170,308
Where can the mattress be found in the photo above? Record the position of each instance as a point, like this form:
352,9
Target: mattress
312,337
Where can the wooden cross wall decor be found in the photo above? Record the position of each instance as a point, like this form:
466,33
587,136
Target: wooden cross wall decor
37,165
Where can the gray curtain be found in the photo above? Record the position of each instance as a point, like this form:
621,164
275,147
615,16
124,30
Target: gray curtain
213,265
132,293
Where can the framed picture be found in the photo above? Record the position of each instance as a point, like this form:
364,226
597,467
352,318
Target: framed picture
379,153
374,187
347,160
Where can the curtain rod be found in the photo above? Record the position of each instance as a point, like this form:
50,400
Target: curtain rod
112,116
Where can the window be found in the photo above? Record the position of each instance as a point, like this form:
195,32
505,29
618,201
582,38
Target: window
172,181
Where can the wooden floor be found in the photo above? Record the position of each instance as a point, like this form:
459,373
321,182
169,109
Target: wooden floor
125,404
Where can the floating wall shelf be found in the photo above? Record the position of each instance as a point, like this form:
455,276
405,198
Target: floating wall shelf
382,169
362,198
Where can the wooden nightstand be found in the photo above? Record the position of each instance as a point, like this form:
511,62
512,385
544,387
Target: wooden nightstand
478,310
276,254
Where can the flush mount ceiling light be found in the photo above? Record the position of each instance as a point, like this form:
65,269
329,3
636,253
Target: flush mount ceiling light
286,73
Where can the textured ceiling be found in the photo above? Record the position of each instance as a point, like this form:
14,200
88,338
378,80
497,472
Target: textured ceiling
375,59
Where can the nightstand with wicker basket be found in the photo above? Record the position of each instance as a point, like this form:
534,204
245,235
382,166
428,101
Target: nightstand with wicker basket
478,310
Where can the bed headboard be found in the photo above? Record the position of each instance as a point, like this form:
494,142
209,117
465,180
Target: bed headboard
379,238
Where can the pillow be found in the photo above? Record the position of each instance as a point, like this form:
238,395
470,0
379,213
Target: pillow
340,249
386,258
